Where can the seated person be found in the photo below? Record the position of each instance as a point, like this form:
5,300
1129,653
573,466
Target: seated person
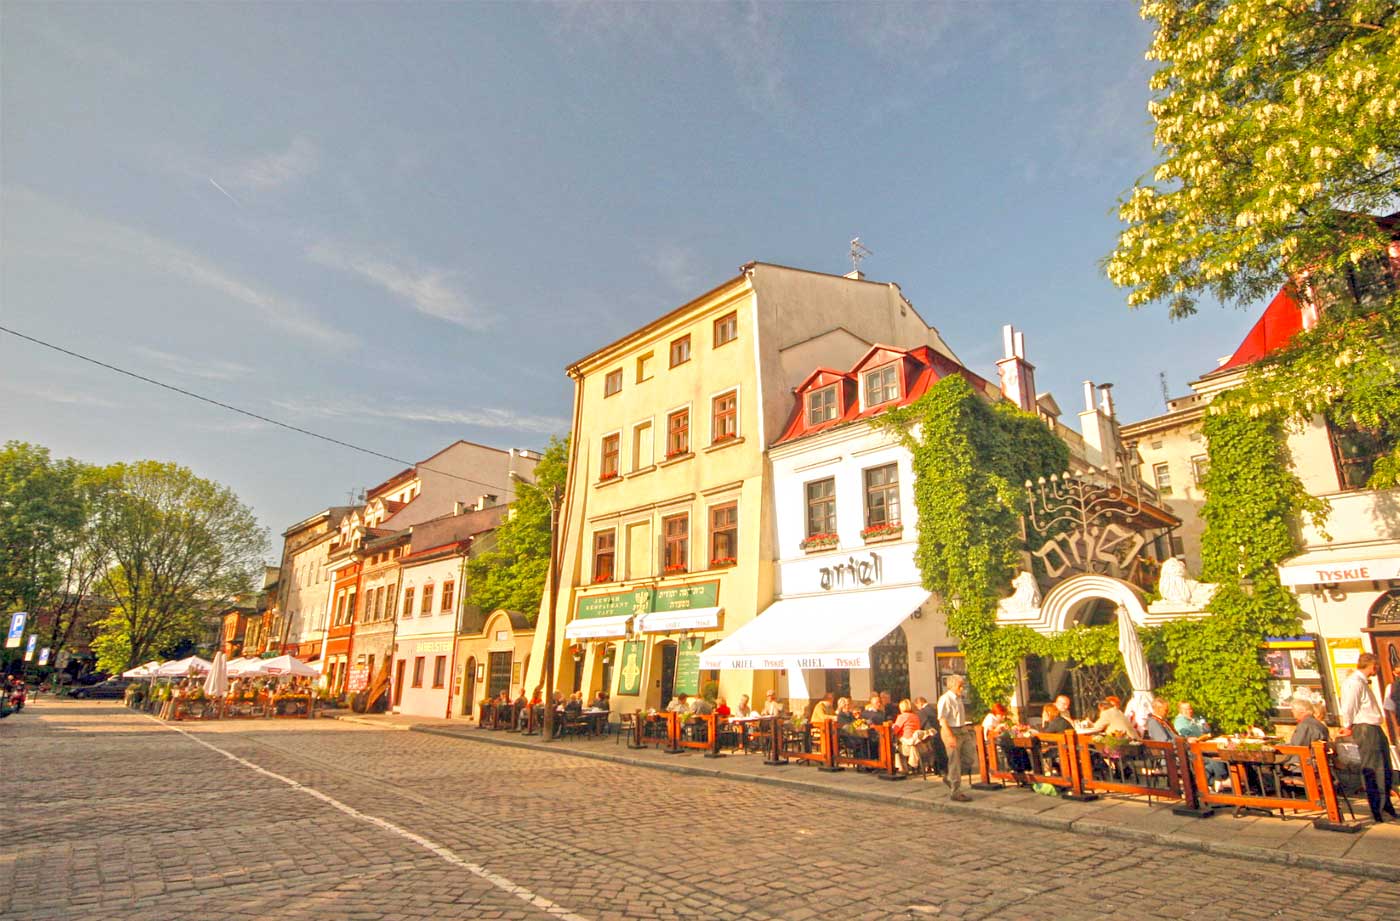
1111,719
1052,720
845,715
1310,729
1187,723
891,708
824,710
574,705
600,702
771,707
722,709
995,720
874,712
1158,729
679,704
701,707
905,725
928,713
742,709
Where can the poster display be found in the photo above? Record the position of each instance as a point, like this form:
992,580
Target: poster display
688,665
1295,669
629,676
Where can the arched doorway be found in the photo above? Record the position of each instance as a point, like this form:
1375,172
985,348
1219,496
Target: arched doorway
889,665
1383,623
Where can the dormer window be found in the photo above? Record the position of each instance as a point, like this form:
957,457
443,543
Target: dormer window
882,385
821,405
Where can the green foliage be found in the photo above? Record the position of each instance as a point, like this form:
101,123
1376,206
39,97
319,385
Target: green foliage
41,512
970,458
513,574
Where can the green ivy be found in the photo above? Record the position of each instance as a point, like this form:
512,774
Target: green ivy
970,457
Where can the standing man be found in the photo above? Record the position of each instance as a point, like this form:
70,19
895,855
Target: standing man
956,735
1360,717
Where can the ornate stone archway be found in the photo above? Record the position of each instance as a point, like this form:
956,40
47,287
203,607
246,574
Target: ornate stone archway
1059,608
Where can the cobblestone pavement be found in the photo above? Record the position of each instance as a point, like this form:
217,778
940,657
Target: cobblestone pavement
110,815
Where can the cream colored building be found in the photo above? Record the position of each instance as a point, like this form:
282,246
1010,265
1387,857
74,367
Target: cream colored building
667,534
305,583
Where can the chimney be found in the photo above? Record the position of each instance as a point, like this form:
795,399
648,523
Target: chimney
485,501
856,275
1106,399
1016,374
459,507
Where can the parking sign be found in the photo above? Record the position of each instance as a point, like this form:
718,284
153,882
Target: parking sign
43,657
29,647
16,634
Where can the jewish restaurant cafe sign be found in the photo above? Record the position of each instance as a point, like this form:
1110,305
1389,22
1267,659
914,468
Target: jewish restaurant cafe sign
646,599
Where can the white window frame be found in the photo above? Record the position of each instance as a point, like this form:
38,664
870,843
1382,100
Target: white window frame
835,404
866,402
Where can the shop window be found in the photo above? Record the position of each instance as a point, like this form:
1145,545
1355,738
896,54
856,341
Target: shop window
725,421
821,405
882,496
678,433
882,384
604,555
1356,451
417,671
676,543
724,534
726,329
821,507
439,671
680,351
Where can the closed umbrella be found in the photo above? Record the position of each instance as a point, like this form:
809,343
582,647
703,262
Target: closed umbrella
216,685
1135,664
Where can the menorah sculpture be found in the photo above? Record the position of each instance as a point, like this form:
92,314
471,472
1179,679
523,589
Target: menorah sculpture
1087,518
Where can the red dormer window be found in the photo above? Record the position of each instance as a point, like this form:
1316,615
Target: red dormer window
882,384
822,405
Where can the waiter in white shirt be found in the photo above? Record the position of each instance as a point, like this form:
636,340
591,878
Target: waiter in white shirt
956,735
1360,717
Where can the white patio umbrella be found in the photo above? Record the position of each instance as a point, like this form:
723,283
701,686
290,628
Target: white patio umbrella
181,668
240,666
1135,664
216,685
143,671
287,667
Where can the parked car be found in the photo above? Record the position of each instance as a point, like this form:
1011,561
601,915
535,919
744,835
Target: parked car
111,689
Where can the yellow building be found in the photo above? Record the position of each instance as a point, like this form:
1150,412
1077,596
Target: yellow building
667,538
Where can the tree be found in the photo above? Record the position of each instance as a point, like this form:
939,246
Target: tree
1278,123
513,574
178,545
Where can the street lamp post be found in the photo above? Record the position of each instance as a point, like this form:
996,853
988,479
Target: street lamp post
553,497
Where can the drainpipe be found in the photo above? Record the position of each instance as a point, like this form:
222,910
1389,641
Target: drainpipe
456,622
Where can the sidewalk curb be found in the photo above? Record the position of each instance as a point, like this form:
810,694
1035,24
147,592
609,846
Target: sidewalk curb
367,721
1083,826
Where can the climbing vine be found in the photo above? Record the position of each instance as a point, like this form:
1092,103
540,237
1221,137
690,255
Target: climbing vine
970,457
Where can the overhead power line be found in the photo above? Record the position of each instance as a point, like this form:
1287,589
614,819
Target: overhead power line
242,412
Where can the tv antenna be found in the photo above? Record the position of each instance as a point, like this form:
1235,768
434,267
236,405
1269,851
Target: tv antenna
858,252
1166,396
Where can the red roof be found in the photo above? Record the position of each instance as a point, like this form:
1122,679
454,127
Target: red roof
919,369
1281,321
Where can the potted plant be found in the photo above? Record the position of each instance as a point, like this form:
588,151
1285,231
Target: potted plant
819,541
887,531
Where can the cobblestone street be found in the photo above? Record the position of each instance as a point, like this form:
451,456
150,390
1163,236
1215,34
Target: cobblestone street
114,815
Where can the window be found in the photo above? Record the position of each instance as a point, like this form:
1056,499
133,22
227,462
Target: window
680,351
1162,477
427,607
678,433
724,534
1356,450
408,602
882,496
882,385
1200,466
392,609
369,665
821,405
604,555
418,671
821,507
379,603
644,367
351,606
676,549
439,671
612,382
339,610
447,588
726,329
612,447
642,454
725,422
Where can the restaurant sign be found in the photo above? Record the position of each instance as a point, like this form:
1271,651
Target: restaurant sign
1375,569
629,676
358,678
816,660
646,599
688,666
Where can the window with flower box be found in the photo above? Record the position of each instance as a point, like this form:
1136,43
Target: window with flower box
821,512
612,382
678,433
604,555
675,555
724,535
726,329
408,602
427,607
680,351
882,385
447,588
881,501
821,405
612,452
724,423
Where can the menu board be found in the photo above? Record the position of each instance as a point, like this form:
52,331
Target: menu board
688,666
1295,665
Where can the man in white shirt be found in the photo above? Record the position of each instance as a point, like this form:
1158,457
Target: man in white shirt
1360,716
956,735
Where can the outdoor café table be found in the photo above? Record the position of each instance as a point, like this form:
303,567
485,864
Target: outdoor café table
597,720
1257,769
746,726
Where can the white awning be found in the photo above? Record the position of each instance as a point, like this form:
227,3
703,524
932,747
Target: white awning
597,628
674,621
1327,567
821,631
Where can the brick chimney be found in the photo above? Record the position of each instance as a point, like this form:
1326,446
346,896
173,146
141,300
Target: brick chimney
1017,375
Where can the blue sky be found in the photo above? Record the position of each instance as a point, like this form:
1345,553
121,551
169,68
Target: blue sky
396,224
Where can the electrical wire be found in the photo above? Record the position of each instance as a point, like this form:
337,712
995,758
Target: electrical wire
242,412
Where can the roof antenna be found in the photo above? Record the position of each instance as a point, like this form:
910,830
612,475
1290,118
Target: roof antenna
858,252
1166,396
